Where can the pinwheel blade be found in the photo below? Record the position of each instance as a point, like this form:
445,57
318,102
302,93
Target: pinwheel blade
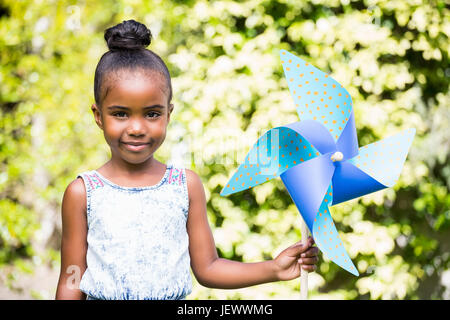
327,238
316,95
276,151
349,183
377,166
309,186
384,159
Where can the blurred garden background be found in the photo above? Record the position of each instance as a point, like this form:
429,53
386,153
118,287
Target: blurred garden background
392,56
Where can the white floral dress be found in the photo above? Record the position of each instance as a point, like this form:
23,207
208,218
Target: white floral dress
138,246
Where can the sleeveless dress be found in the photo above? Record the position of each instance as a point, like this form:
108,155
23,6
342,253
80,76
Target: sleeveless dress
138,246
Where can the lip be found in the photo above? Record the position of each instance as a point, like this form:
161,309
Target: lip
135,146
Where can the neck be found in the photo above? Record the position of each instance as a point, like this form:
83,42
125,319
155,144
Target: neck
120,166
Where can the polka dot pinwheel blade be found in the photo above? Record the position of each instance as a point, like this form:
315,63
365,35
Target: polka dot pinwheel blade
316,95
327,238
383,160
276,151
310,189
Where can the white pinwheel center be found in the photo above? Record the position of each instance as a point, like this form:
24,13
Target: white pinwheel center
337,156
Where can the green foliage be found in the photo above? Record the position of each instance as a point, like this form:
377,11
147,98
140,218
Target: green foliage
392,56
16,230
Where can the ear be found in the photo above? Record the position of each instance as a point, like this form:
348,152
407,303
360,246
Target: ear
97,115
170,111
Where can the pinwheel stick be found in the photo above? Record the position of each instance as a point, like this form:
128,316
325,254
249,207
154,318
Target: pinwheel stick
304,274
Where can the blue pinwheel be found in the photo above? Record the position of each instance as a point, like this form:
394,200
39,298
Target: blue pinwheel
318,158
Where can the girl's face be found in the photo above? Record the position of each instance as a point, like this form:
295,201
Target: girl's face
134,116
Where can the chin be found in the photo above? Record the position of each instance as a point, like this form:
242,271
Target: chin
136,160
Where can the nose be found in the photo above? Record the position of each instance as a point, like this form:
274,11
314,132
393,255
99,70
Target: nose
136,127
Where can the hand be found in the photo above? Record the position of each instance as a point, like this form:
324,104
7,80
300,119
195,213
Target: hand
289,262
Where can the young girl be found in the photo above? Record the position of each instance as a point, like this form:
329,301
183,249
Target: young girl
133,228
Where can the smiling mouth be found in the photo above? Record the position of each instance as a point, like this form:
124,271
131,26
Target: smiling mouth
135,146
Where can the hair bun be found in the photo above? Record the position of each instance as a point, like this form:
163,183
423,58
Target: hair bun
128,35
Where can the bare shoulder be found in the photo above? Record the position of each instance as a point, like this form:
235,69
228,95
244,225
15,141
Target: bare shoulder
191,176
75,196
195,185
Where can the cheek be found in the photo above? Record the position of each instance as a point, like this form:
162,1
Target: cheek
162,130
159,133
159,128
112,131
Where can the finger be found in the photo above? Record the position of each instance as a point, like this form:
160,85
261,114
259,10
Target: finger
308,261
298,243
296,250
310,252
309,241
309,268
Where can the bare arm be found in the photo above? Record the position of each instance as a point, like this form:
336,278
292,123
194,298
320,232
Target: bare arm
212,271
73,242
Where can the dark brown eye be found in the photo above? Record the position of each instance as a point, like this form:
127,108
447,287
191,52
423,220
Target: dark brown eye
153,114
119,114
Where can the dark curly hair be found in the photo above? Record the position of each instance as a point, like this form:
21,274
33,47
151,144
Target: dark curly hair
127,42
